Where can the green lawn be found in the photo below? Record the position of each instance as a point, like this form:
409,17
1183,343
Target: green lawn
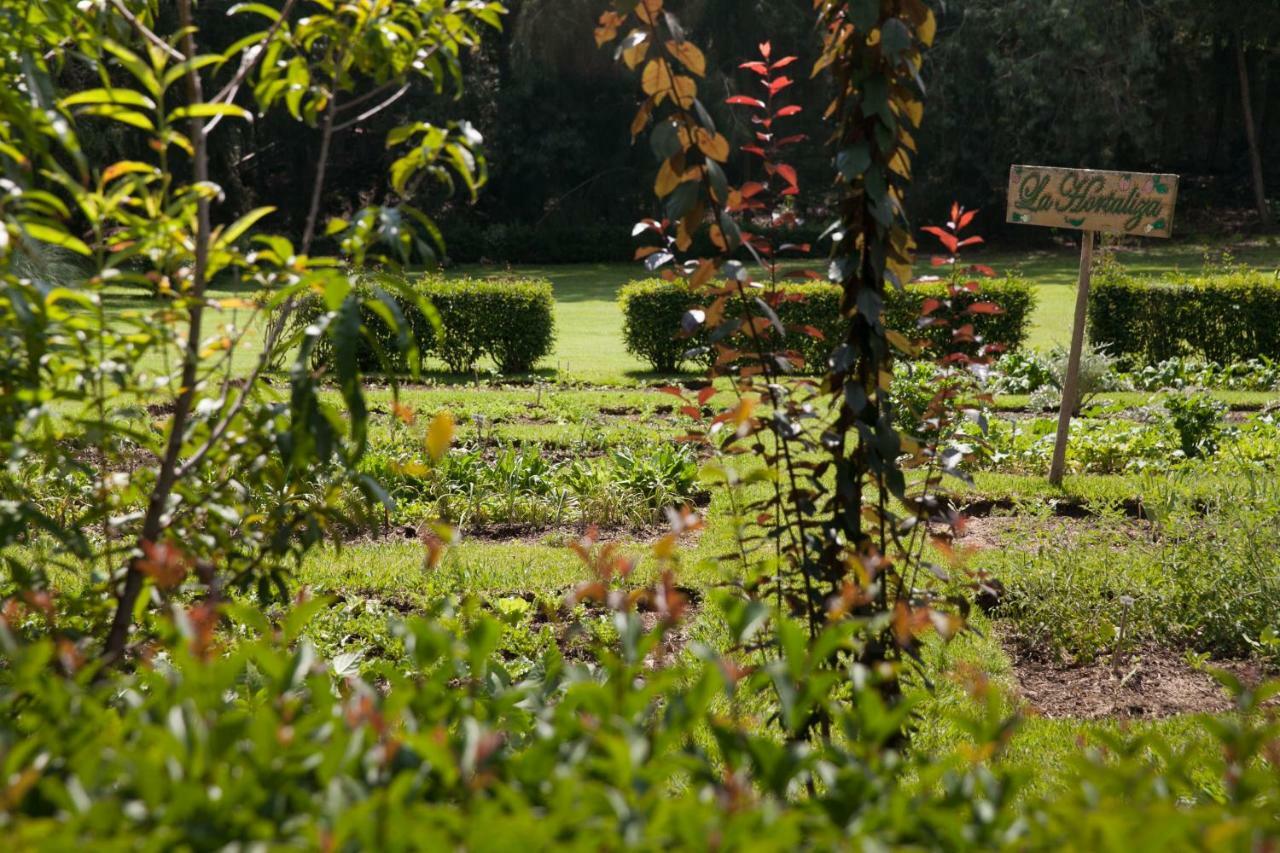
589,346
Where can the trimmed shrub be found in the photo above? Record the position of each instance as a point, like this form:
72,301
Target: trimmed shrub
1222,318
510,320
1009,328
653,308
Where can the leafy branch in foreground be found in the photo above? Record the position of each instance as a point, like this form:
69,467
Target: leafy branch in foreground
825,543
138,442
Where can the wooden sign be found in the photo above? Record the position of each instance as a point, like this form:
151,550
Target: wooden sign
1088,200
1092,201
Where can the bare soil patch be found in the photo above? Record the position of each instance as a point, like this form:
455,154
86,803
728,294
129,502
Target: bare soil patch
1147,684
1030,532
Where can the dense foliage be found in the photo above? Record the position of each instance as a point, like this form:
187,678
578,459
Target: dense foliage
1220,317
164,488
461,321
266,742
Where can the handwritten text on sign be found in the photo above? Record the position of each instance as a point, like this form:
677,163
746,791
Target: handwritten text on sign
1116,202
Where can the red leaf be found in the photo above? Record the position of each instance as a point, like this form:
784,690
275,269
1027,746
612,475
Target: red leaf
751,189
788,174
754,149
692,411
706,394
813,332
955,211
983,269
758,67
939,261
949,241
782,63
747,101
966,219
929,306
984,308
776,86
791,191
672,390
971,241
765,49
788,111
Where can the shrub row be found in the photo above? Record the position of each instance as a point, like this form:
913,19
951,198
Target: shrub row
1223,318
653,309
510,320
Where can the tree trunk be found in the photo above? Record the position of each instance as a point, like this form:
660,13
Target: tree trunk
1255,156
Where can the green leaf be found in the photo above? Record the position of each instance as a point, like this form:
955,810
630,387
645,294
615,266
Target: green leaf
241,225
133,118
177,72
257,8
122,97
135,66
55,236
853,161
209,110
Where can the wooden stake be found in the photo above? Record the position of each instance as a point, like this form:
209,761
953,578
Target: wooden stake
1071,384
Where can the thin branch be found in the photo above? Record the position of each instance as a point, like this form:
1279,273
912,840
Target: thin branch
370,113
250,60
153,523
370,95
146,31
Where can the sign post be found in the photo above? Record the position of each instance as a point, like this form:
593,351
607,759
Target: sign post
1088,201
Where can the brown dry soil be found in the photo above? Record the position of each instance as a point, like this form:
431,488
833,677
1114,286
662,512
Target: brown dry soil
1147,684
1029,533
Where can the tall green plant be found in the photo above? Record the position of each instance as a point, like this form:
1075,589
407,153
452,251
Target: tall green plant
145,418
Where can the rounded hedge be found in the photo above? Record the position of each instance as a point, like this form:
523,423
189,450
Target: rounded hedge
1223,318
509,320
653,309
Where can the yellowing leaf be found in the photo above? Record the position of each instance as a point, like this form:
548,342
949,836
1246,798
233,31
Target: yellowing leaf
668,180
900,341
689,55
686,90
914,111
440,435
608,29
647,11
901,164
635,54
404,413
642,118
656,79
928,29
717,237
716,147
127,167
684,240
665,548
